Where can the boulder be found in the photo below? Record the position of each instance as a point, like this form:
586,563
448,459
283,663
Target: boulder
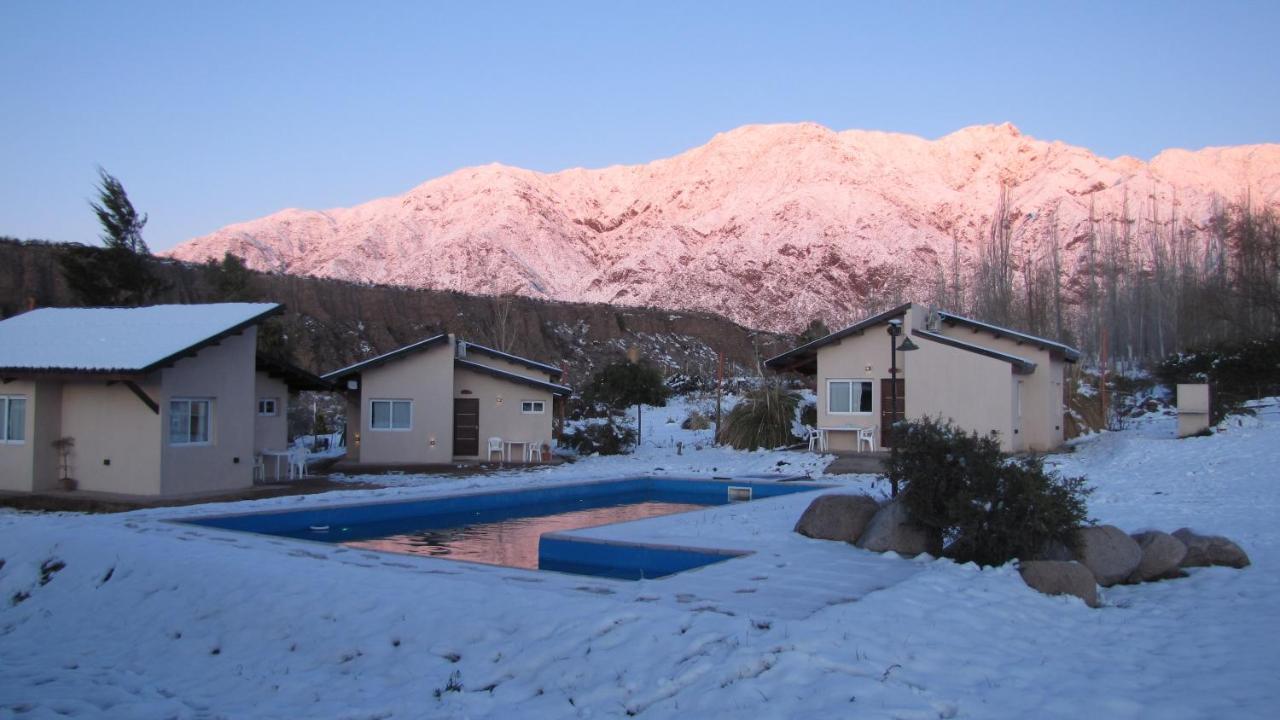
1161,555
892,529
837,517
1205,550
1058,577
1108,552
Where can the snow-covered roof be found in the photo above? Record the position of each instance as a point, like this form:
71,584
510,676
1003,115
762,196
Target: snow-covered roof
554,389
1020,365
118,339
552,370
373,362
1069,353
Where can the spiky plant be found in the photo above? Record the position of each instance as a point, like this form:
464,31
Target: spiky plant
762,419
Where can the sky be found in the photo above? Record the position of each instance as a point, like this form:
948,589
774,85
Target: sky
215,113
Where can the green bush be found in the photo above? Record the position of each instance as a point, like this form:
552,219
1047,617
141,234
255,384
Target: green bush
606,438
762,419
1236,373
990,508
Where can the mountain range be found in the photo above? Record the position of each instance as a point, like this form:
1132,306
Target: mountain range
769,225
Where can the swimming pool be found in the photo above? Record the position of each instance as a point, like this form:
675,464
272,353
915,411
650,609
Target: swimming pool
522,528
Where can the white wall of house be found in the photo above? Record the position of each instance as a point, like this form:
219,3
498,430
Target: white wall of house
425,379
118,438
858,357
223,373
17,457
502,411
1042,390
270,432
971,390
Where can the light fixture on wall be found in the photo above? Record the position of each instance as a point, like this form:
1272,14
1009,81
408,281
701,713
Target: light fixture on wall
499,399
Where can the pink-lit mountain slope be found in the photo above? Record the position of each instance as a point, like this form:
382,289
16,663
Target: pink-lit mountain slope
771,225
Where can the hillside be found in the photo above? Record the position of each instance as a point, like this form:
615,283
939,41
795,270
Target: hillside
769,225
332,323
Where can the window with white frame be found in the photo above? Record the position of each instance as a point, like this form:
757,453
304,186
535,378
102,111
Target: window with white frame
189,420
268,407
848,397
13,419
532,407
390,414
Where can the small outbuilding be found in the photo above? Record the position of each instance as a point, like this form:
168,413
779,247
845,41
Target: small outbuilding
982,377
441,400
163,400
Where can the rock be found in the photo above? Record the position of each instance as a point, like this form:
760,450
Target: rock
1108,552
1205,550
1059,577
837,517
892,529
1161,555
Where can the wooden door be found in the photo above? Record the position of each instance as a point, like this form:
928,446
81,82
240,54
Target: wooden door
466,427
889,414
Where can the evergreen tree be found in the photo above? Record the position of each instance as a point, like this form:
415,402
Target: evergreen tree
119,273
623,384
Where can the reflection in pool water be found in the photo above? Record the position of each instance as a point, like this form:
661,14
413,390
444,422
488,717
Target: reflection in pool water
512,542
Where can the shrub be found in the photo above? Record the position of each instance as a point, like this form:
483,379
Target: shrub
1236,373
696,421
809,414
762,419
990,508
606,438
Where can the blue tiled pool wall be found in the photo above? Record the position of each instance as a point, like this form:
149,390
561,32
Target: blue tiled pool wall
622,561
492,505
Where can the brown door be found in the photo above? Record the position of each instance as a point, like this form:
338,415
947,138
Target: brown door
889,413
466,427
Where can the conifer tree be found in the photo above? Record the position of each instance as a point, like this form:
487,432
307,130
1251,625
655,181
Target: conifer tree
120,273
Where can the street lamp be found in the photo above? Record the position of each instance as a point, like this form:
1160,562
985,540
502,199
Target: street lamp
895,329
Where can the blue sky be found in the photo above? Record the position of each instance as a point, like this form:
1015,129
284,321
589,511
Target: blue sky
213,113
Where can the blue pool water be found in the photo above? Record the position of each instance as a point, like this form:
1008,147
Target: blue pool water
519,528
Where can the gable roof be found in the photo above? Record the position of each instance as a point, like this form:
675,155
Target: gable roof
801,358
1021,366
552,370
562,390
1069,353
373,362
119,340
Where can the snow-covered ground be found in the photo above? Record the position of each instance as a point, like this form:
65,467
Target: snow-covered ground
149,619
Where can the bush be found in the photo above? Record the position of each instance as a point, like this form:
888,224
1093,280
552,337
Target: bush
990,508
606,438
762,419
809,414
696,421
1236,373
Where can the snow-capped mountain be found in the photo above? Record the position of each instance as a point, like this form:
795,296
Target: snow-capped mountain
771,225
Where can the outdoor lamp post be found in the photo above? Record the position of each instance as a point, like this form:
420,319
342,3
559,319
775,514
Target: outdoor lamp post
895,329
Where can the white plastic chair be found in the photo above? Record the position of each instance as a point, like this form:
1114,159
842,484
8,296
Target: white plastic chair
533,452
867,435
495,446
297,462
817,440
259,469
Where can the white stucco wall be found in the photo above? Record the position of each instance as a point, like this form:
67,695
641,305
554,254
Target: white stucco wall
1042,390
270,432
426,379
17,461
225,374
117,436
500,408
